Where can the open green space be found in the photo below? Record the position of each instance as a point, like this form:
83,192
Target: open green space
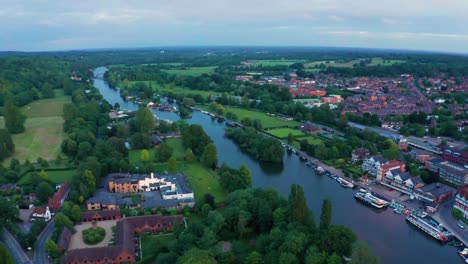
313,140
348,64
284,132
191,71
177,145
134,155
42,138
56,176
268,121
277,62
181,90
204,181
152,245
44,130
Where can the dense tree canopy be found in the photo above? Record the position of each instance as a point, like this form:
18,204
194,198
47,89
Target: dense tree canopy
14,118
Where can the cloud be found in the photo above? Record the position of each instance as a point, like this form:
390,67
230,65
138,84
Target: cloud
395,34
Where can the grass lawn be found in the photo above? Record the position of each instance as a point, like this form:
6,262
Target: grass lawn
204,181
55,176
193,71
267,120
134,155
179,149
151,246
44,130
180,90
284,132
277,62
313,141
42,138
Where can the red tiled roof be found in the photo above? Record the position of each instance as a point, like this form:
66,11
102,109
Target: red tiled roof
55,200
39,210
124,239
464,192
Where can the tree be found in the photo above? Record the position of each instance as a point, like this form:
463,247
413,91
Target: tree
361,254
14,118
51,248
76,213
245,175
144,120
210,156
326,216
189,157
195,138
7,147
196,256
47,91
172,164
392,151
8,212
291,138
44,191
61,220
297,207
145,155
163,153
254,258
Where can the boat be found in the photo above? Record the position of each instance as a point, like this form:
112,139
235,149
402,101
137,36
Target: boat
362,190
456,242
427,228
344,183
397,211
370,199
463,252
320,169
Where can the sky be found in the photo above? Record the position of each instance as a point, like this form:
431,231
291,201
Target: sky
41,25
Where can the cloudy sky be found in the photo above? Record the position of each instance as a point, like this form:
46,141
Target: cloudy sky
33,25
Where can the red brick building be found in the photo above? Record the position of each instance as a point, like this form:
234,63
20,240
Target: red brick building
103,215
126,245
56,201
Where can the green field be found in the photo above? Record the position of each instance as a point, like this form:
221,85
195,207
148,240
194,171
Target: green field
202,182
348,64
193,71
268,121
313,140
179,149
277,62
134,155
56,176
168,88
284,132
44,130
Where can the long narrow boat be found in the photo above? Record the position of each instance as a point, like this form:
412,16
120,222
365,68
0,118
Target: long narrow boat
370,199
427,228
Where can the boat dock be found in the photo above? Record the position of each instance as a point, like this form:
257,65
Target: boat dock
428,228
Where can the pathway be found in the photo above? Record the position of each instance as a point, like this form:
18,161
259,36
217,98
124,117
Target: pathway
14,248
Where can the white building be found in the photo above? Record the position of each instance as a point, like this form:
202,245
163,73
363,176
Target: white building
461,201
40,213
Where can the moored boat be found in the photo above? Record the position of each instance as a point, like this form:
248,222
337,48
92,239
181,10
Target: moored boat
427,228
344,183
370,199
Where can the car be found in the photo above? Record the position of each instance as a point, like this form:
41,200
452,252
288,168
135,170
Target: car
461,225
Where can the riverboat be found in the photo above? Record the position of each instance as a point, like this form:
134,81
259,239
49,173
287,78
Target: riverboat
370,199
397,211
427,228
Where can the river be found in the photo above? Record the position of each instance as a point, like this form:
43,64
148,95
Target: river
387,234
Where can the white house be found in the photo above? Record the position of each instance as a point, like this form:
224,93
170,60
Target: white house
461,201
372,165
40,213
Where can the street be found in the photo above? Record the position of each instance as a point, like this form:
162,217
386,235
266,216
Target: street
445,217
40,256
14,248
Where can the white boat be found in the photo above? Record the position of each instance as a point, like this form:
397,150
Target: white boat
362,190
344,183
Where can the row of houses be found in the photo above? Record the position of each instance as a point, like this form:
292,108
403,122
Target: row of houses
53,206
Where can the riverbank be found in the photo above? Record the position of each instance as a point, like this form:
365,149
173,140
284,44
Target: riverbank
387,235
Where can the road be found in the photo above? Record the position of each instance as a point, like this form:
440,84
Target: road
14,248
445,217
40,256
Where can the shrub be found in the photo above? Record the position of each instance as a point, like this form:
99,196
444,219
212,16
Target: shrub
92,236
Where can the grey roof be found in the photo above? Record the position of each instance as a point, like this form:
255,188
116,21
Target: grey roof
416,180
103,197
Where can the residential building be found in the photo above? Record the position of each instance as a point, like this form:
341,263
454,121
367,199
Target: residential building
57,200
461,201
64,239
449,171
457,156
420,155
402,181
309,127
377,166
359,154
40,213
103,215
435,192
126,246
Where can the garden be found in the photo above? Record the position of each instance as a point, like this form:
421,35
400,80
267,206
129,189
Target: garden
93,235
